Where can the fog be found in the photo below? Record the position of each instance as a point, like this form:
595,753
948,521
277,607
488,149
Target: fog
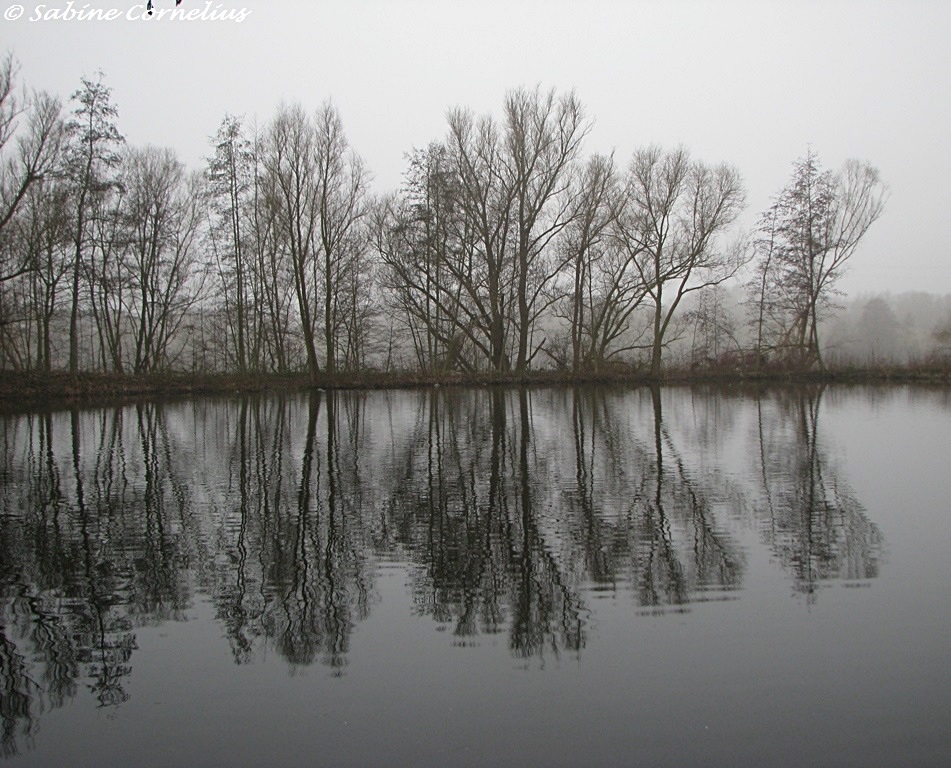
867,329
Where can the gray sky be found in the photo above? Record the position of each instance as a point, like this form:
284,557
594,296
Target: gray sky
750,83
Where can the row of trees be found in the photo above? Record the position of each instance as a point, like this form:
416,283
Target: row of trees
506,248
94,234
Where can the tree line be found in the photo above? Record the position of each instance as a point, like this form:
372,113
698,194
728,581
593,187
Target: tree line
506,249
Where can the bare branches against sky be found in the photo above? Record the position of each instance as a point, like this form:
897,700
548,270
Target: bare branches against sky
750,83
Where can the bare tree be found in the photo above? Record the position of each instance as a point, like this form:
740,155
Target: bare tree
107,274
341,197
419,236
482,267
513,184
91,161
766,313
271,291
31,136
36,152
543,137
289,164
807,238
713,336
229,186
604,289
673,214
45,239
316,187
161,213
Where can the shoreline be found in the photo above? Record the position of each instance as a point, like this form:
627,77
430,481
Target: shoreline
29,390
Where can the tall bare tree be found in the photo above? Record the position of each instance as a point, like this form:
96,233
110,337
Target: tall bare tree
271,295
341,197
317,189
34,153
229,187
289,163
419,236
92,159
481,267
161,213
543,138
274,297
513,183
807,237
605,288
107,275
31,137
44,236
673,215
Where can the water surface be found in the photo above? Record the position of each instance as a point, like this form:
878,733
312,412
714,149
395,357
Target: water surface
480,577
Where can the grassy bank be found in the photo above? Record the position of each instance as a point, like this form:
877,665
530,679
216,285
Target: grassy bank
31,389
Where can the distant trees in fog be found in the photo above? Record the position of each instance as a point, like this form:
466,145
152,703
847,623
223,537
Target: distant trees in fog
505,249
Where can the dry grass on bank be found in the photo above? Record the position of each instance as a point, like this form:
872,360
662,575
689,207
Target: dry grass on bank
31,389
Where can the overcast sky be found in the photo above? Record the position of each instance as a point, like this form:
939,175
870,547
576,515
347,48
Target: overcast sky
751,83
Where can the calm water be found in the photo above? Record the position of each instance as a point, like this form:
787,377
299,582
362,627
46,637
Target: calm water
478,577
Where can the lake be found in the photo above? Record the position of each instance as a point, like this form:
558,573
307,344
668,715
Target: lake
466,577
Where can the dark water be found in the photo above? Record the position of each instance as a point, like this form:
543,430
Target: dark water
478,577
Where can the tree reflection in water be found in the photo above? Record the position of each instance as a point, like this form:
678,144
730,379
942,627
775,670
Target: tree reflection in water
510,508
466,506
89,551
810,518
295,545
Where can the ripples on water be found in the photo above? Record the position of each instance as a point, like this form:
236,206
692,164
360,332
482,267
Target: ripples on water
529,528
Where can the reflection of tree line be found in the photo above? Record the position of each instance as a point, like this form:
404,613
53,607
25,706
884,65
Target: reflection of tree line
638,512
88,551
499,542
809,516
510,506
466,504
294,553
